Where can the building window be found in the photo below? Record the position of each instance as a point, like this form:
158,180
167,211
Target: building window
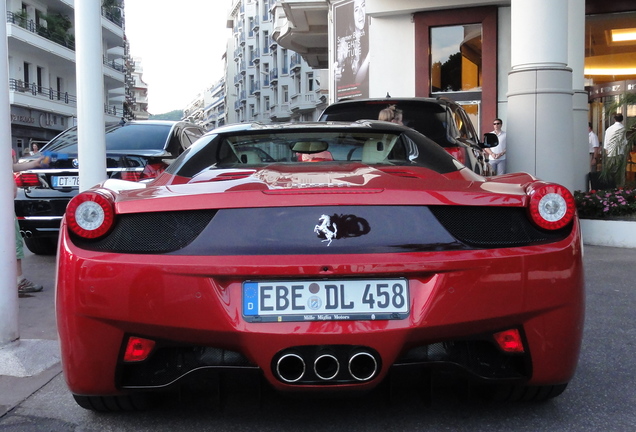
285,62
451,47
310,81
456,58
26,67
266,103
297,84
285,93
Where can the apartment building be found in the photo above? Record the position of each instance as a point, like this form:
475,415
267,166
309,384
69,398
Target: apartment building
42,77
267,82
139,90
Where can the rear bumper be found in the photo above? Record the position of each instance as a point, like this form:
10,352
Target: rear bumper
194,303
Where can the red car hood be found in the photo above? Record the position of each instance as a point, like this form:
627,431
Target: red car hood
337,184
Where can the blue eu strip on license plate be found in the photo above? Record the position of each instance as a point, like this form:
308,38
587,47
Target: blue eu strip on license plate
325,300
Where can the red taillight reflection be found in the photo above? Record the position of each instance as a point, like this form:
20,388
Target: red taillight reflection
131,176
150,171
458,153
153,170
26,179
510,341
138,349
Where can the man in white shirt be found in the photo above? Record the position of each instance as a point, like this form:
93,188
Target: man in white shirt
594,147
497,155
615,143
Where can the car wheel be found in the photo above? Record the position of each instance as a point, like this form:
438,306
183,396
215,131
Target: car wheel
128,402
41,246
522,393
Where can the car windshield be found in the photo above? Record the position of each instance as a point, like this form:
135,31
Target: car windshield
131,136
430,119
321,146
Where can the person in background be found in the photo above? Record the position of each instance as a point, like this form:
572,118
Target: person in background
498,154
387,114
397,117
25,286
615,143
594,147
34,149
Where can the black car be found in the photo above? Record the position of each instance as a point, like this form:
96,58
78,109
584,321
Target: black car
442,120
136,150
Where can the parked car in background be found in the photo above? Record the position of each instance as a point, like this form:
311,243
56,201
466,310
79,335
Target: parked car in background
136,150
441,119
324,258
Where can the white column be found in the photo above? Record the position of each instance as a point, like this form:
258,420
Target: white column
8,272
576,62
90,93
540,125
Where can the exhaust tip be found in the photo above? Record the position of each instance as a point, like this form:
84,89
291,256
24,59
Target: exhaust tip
363,366
290,367
326,367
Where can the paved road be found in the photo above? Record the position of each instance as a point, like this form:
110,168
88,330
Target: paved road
601,397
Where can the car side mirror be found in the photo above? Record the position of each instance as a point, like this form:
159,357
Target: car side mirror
490,140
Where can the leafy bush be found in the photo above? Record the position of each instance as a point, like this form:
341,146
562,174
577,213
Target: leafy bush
605,203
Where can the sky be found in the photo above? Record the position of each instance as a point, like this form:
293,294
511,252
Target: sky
181,45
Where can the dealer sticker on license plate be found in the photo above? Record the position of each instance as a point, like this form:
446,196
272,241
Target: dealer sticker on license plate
325,300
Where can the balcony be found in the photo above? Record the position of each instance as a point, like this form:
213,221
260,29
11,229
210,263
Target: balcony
280,113
303,103
255,88
114,64
295,62
273,76
255,56
40,92
58,35
113,14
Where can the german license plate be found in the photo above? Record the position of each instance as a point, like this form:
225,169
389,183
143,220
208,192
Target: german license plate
325,300
65,181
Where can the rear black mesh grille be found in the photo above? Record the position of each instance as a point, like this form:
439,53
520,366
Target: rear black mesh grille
361,229
159,232
494,226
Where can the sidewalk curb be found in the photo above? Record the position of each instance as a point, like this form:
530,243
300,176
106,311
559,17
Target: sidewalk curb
23,387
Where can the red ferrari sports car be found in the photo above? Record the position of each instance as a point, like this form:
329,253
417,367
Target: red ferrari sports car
322,257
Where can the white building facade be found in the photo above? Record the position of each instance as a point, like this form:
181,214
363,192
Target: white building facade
267,82
546,67
42,77
139,91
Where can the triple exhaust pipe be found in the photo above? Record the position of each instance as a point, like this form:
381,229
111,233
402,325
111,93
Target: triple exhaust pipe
325,366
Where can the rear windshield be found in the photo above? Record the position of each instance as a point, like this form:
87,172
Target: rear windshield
430,119
127,137
323,146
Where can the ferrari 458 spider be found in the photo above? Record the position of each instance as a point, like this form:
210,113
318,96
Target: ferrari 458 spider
321,256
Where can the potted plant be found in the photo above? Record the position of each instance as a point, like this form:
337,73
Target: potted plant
608,211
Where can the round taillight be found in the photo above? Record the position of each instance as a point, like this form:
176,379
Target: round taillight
90,214
551,206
